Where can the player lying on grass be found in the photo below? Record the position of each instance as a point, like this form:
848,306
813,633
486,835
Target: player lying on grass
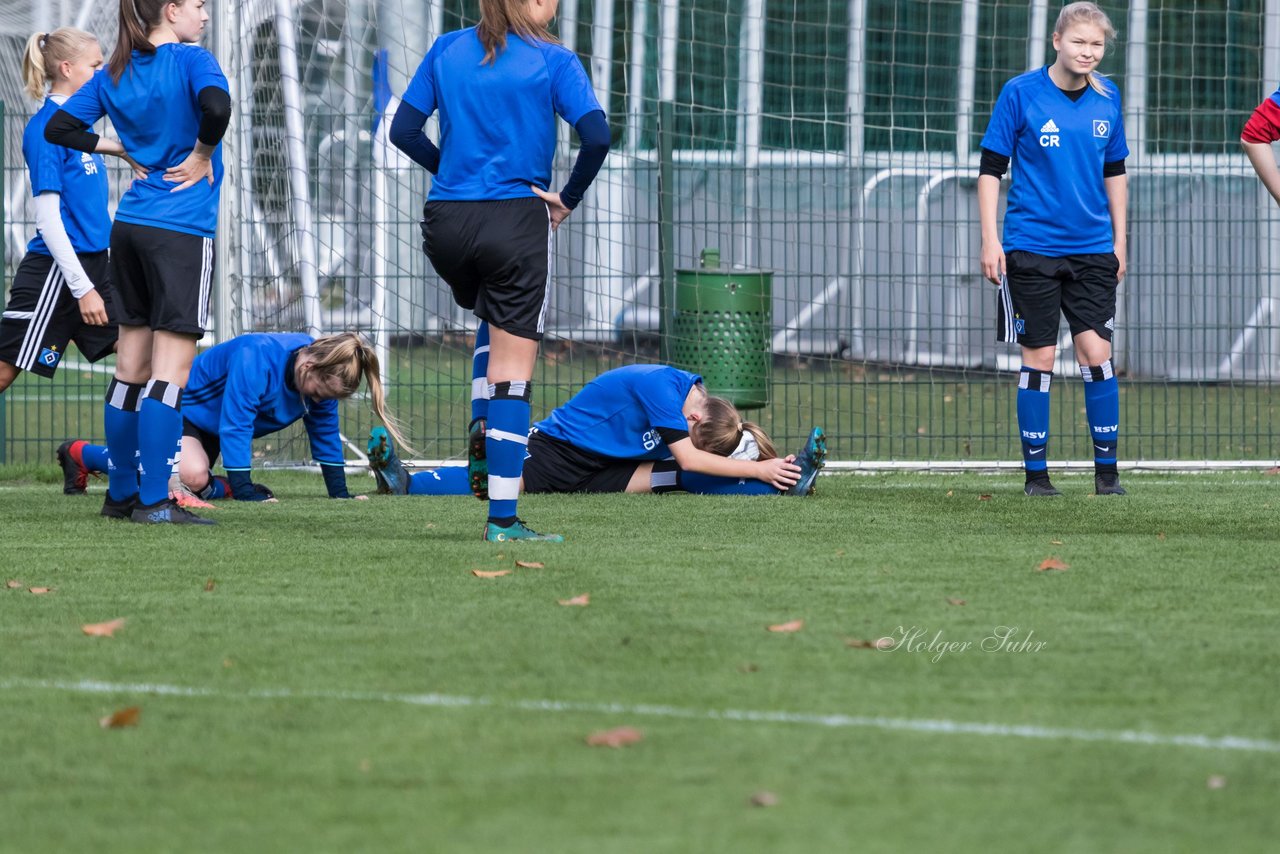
641,428
249,387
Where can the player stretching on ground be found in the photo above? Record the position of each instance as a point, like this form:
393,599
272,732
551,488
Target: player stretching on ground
641,428
249,387
1064,233
62,291
168,100
489,218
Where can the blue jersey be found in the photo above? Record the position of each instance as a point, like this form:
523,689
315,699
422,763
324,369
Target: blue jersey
80,179
1057,202
243,388
497,121
155,111
619,413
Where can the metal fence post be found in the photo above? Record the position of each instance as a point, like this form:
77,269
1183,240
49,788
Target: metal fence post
4,440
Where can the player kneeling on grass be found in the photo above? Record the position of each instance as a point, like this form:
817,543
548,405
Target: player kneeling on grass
249,387
641,428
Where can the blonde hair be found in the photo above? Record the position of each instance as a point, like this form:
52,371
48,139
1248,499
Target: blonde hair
497,17
721,427
1087,13
347,358
45,52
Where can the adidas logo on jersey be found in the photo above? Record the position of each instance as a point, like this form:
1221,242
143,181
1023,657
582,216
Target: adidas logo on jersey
1049,134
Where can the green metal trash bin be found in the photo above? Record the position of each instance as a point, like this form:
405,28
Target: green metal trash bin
722,327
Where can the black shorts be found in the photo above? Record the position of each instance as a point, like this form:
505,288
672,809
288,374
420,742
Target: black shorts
1081,287
554,465
163,278
42,315
209,441
496,257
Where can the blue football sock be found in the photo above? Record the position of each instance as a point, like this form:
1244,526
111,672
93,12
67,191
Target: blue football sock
159,430
120,419
1033,419
449,480
710,484
505,442
480,374
217,487
1102,405
95,457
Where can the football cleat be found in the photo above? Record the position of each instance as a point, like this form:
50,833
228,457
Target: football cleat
1040,488
75,477
477,465
811,459
113,509
166,512
518,530
388,471
1107,484
185,498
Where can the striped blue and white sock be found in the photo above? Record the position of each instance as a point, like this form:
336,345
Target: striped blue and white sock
1102,406
506,440
120,419
1033,420
159,432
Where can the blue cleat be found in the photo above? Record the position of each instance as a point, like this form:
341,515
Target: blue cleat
388,471
517,531
811,459
477,465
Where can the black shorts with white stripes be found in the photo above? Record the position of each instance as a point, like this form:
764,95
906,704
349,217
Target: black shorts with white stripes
495,256
554,465
163,278
1081,288
41,315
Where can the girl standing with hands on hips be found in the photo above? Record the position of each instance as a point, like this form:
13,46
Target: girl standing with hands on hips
1064,233
168,100
61,291
488,221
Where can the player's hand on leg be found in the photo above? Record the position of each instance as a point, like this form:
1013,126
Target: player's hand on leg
780,472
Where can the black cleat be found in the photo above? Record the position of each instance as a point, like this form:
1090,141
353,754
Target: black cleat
1107,484
166,512
1040,488
75,477
113,509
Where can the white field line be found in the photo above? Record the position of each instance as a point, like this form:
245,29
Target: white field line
831,721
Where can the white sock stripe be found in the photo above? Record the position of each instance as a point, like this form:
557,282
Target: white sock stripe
483,348
1024,380
169,397
505,436
662,478
479,389
117,394
503,488
46,305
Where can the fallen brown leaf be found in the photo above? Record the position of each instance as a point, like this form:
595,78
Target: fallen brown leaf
121,718
13,584
749,667
986,496
497,573
1273,471
530,564
764,799
1216,781
583,600
950,492
40,591
103,630
793,626
1055,542
1160,536
616,737
878,643
951,601
1052,563
208,586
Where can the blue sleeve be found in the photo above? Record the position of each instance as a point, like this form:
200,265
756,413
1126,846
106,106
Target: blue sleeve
246,382
1117,147
406,134
1002,132
321,422
421,94
593,133
86,103
571,92
662,398
203,71
44,163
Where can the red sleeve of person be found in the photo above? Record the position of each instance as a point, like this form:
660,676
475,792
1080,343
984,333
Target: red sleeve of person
1264,125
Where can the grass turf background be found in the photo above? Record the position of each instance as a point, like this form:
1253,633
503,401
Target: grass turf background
1166,622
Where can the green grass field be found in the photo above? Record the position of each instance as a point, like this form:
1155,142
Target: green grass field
349,685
